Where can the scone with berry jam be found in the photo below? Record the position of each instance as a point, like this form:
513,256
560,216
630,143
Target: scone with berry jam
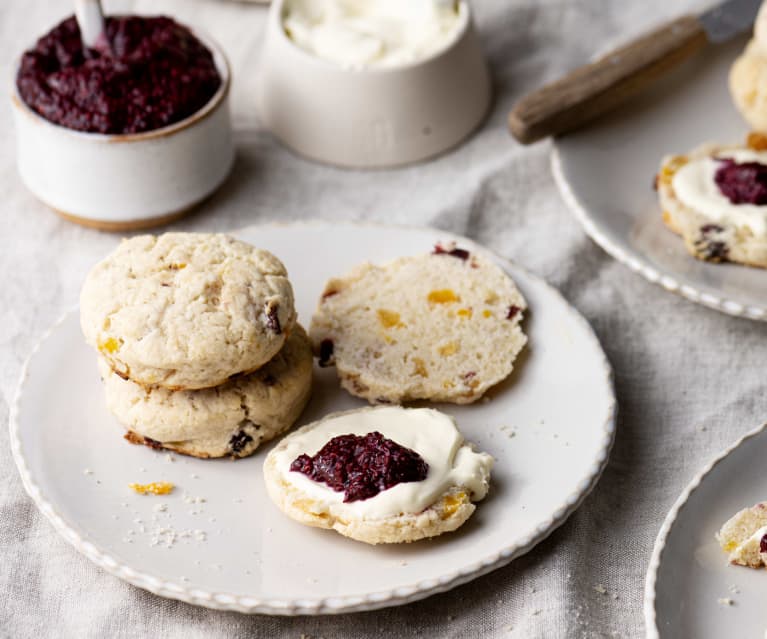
715,197
744,537
380,475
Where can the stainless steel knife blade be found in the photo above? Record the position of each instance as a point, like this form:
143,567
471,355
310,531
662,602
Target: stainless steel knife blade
729,19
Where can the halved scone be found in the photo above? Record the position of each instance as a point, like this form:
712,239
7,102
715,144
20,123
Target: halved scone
715,197
379,475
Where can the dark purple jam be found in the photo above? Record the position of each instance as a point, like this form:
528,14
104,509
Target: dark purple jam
763,544
742,183
361,467
461,254
150,72
326,353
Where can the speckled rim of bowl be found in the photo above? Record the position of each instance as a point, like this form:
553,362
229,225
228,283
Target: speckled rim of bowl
222,66
329,605
650,616
465,17
639,265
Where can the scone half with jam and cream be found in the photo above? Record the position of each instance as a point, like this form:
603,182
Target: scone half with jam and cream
229,420
380,475
744,537
715,197
442,326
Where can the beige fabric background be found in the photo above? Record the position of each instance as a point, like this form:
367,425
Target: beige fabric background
678,367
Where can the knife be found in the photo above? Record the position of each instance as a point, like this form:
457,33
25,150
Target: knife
595,89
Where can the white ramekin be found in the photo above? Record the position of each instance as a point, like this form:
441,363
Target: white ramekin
131,181
371,118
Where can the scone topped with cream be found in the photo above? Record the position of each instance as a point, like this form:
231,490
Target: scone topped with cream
444,326
715,197
744,537
379,475
186,310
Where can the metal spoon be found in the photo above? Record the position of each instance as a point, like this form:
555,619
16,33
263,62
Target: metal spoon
90,19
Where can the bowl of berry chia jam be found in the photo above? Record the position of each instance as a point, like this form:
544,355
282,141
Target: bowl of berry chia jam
128,135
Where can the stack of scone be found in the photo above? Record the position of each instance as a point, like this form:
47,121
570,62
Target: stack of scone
198,343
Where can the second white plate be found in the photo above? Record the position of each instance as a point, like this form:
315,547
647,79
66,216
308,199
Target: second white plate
218,541
605,174
691,590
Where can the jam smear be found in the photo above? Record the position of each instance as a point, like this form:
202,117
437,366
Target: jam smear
512,312
272,318
239,440
326,353
461,254
763,544
362,466
150,72
744,183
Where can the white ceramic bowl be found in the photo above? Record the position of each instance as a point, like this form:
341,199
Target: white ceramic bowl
131,181
372,118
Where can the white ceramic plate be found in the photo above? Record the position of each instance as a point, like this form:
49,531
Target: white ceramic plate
605,174
550,428
689,574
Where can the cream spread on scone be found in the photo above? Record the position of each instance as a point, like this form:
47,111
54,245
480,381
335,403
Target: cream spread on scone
748,552
372,33
431,434
695,186
744,537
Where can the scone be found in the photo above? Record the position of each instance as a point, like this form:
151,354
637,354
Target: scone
379,475
443,326
232,419
186,310
744,537
715,197
748,77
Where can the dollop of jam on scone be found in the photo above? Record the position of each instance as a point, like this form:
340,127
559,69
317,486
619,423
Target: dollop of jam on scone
716,198
362,466
379,475
149,73
742,183
744,537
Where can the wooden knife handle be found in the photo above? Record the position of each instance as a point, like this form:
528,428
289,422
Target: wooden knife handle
594,89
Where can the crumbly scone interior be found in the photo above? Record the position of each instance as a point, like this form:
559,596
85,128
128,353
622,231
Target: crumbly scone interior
425,327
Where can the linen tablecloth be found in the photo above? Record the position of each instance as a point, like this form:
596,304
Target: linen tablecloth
689,380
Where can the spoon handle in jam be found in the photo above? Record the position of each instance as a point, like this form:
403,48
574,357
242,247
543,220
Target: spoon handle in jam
90,19
594,89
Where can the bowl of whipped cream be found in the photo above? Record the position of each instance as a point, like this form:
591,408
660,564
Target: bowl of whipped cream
372,83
